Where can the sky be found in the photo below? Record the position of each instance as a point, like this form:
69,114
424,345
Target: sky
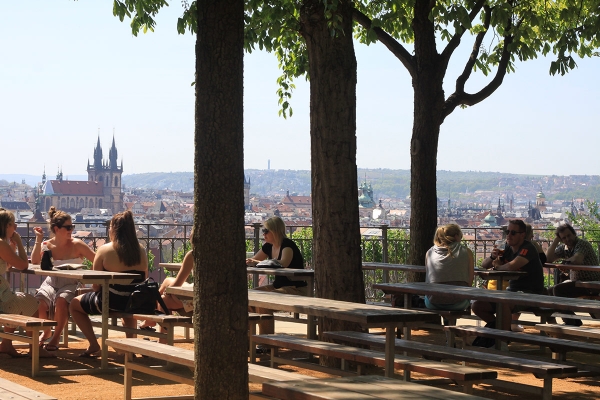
70,71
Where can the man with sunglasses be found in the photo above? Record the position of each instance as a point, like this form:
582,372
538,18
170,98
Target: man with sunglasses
519,255
572,250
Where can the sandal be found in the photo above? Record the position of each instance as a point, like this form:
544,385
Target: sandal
90,354
51,347
147,328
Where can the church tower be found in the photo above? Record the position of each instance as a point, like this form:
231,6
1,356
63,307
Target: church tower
108,174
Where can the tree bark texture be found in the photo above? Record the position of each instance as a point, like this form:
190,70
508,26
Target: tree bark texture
221,292
336,230
428,116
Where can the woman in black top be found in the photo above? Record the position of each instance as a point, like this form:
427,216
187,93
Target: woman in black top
278,247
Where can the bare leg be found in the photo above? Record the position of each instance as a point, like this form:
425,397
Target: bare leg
484,310
129,323
61,316
83,322
43,313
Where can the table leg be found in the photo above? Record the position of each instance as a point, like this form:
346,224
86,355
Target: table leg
254,280
310,287
390,347
311,327
105,294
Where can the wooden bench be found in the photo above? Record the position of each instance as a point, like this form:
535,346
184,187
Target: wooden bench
561,331
11,390
359,387
28,324
559,347
184,357
462,375
167,321
540,369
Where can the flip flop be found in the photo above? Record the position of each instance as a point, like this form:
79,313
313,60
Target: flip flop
51,347
16,354
148,328
92,354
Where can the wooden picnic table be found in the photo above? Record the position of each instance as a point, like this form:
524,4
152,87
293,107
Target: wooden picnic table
367,315
574,267
292,274
487,274
502,297
307,275
104,278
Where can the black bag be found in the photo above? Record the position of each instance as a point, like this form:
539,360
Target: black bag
143,299
47,263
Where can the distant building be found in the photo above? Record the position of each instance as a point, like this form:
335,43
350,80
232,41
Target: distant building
365,197
101,190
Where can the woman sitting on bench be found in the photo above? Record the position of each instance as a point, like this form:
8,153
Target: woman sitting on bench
451,263
122,254
55,294
11,302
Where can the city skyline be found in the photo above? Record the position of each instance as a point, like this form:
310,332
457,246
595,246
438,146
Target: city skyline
87,76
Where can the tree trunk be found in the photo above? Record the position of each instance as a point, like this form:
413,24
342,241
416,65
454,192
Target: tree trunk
428,116
336,230
221,292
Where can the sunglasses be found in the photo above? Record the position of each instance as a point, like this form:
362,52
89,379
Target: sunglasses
512,232
265,231
69,228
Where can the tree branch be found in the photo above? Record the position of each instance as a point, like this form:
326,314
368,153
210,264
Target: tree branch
388,41
459,97
462,79
455,41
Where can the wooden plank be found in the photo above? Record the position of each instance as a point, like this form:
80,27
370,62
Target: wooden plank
25,321
358,388
365,356
152,349
539,368
565,330
13,391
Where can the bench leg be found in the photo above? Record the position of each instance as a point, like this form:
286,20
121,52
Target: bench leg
547,390
467,387
251,345
128,376
35,352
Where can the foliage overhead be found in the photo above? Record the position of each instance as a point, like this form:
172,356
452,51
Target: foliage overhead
501,32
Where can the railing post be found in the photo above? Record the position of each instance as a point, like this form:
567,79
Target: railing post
256,226
384,250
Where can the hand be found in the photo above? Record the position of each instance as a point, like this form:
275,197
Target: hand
16,238
251,261
495,253
39,234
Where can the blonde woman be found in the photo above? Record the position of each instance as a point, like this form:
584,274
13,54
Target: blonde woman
278,247
451,263
11,302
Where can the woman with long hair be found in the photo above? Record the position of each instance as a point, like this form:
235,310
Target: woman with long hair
451,263
278,247
55,294
122,254
13,302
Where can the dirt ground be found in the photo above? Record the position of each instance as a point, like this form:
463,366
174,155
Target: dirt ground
110,386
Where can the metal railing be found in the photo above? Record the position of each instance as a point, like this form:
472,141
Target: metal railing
387,247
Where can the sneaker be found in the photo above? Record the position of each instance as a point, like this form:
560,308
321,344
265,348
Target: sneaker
260,349
516,328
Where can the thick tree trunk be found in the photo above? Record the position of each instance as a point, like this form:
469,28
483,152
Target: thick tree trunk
336,230
428,116
221,296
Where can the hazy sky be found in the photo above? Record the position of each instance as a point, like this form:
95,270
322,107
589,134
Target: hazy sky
69,69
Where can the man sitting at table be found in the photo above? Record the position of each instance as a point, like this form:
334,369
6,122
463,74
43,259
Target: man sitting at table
519,255
573,251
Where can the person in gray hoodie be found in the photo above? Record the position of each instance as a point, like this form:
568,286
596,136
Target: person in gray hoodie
448,262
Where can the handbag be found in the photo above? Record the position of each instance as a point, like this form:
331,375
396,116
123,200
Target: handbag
144,297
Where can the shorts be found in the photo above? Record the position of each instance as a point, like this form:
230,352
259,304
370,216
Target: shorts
49,293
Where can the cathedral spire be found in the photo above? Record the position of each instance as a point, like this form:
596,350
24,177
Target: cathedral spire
112,155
